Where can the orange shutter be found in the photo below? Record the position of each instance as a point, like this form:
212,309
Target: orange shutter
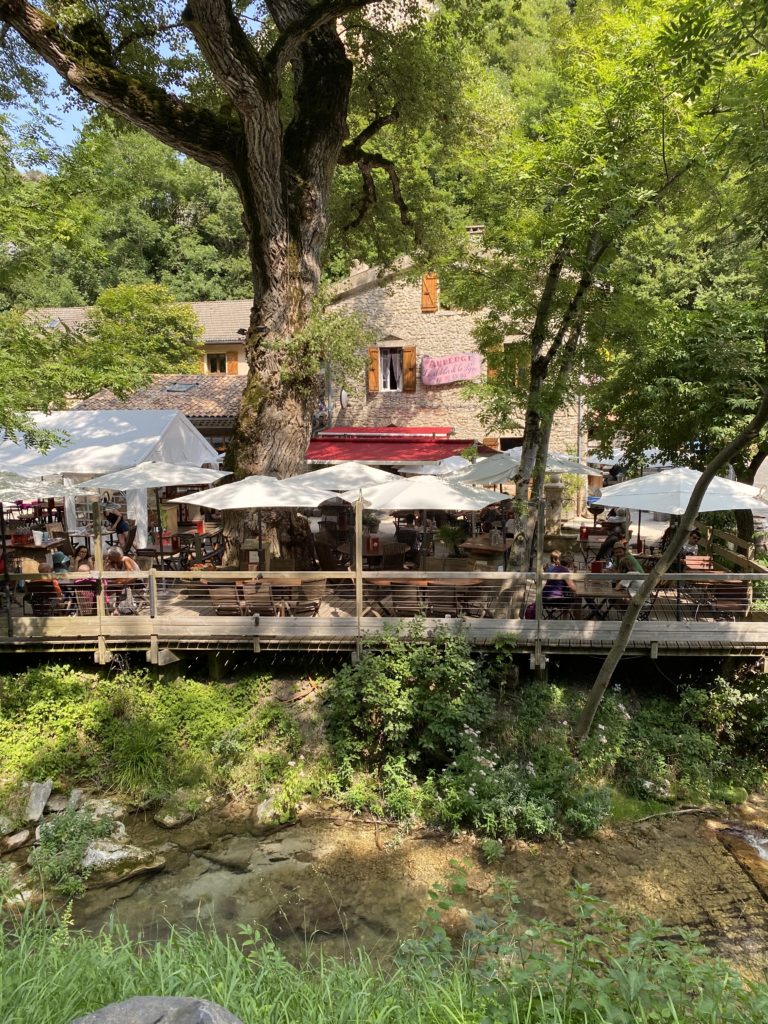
373,369
409,368
429,293
492,442
492,356
232,362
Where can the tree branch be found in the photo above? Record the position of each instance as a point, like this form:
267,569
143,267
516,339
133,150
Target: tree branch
229,53
367,199
148,32
296,28
209,139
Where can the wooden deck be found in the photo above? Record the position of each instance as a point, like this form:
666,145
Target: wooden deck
221,611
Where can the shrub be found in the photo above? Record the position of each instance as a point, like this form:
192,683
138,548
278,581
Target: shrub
58,859
408,697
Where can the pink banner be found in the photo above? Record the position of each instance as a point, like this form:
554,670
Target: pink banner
447,369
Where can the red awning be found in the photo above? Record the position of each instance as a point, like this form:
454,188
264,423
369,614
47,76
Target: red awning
387,446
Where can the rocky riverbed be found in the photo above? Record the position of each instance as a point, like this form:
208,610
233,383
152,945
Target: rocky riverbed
341,883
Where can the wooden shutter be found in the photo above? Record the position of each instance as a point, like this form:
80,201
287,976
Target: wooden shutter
491,371
373,369
492,442
232,362
409,368
429,293
203,363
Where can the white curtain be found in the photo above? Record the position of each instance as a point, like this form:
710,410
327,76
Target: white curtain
136,504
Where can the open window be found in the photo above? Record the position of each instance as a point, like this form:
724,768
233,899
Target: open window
392,368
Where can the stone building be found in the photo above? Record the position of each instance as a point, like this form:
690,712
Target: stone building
417,372
224,324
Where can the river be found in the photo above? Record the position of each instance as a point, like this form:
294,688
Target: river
335,881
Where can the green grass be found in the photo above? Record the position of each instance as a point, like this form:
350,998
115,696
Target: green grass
631,808
599,971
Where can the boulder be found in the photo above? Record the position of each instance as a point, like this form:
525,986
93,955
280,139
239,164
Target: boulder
160,1010
112,862
6,825
76,800
172,817
57,802
118,834
37,799
107,854
103,807
15,841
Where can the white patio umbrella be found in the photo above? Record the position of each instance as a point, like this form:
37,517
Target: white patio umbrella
422,492
344,476
260,492
498,468
152,476
670,490
444,467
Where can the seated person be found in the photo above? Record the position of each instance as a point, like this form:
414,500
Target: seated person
606,549
46,595
83,561
626,562
559,594
118,561
693,545
60,561
118,525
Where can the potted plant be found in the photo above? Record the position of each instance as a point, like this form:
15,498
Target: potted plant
451,535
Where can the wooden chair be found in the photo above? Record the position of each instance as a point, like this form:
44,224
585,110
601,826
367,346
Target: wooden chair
727,600
698,563
393,556
312,594
45,597
327,557
130,537
257,598
225,598
442,600
407,599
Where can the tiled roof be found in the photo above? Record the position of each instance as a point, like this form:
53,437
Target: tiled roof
220,320
197,395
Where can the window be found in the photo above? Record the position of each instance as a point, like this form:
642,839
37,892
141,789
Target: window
391,369
216,362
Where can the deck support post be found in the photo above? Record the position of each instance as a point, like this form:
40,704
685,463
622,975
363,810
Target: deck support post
215,666
359,570
154,649
654,649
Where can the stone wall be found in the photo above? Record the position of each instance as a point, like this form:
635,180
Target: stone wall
392,309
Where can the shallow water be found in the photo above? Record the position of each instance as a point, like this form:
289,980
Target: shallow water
335,881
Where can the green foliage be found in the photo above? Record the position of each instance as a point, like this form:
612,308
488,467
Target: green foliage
138,736
64,838
508,971
131,333
408,697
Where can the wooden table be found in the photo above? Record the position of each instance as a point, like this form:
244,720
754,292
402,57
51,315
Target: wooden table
421,583
596,594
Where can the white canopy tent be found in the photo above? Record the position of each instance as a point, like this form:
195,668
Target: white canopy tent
96,441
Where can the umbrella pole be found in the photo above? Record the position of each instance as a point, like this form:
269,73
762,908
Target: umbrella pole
424,538
359,570
638,546
159,526
6,574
